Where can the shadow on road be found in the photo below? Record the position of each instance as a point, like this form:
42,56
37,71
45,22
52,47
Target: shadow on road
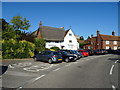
3,69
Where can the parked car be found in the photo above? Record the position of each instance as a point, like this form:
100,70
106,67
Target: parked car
71,52
100,51
49,56
84,52
97,52
67,57
79,53
91,52
104,51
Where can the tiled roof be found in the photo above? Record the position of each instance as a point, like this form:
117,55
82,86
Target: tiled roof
110,37
51,33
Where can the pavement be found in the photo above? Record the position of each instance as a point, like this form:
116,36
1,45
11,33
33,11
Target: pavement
98,71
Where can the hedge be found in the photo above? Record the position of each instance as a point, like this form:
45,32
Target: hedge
17,49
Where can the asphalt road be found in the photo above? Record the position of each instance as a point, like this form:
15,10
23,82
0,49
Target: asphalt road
99,71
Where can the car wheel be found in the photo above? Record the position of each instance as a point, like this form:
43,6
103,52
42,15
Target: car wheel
49,61
66,60
75,58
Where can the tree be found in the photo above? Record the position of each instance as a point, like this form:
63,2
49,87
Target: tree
19,24
81,38
88,37
8,33
39,44
81,45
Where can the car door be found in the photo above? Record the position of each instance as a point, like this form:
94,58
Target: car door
41,55
46,55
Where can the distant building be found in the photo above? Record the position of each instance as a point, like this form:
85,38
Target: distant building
57,37
77,36
103,41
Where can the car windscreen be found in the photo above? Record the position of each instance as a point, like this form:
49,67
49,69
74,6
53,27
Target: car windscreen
64,53
72,52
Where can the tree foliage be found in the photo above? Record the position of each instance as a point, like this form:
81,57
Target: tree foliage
13,49
81,38
8,32
39,44
20,23
81,45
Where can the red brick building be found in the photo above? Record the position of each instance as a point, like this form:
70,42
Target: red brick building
103,41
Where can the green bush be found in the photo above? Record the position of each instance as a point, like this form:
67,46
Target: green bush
39,44
14,49
55,48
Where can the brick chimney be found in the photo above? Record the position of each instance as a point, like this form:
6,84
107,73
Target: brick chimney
98,32
113,33
40,25
62,27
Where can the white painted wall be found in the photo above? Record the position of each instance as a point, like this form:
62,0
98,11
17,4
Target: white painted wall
53,44
74,45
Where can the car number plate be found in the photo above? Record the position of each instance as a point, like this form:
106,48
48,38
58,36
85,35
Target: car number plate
59,59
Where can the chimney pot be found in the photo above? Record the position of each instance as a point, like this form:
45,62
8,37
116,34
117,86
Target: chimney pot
98,32
40,23
62,27
113,33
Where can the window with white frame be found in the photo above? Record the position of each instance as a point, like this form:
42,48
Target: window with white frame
107,47
114,42
70,41
115,48
70,34
107,42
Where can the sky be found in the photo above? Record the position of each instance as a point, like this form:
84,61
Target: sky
84,18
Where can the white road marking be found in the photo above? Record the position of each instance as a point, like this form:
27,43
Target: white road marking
31,81
24,64
113,87
10,66
38,68
111,70
116,61
19,88
56,69
39,77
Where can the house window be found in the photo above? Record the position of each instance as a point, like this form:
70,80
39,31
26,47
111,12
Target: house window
70,34
107,47
70,41
107,42
114,42
115,48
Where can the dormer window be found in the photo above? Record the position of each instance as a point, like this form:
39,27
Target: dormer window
70,41
70,34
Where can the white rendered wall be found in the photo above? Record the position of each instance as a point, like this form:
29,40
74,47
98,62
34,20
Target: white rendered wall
74,45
